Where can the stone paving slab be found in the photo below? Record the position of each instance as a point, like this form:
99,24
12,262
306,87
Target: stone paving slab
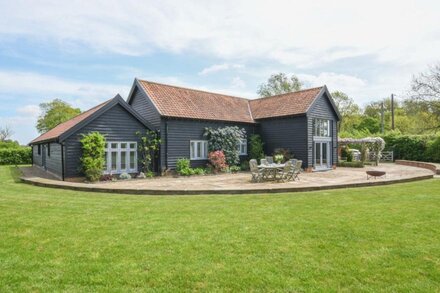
238,183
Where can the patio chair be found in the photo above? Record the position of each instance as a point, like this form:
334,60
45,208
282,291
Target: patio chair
293,161
297,170
264,162
287,172
269,160
257,174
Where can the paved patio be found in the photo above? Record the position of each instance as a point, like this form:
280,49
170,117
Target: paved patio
237,183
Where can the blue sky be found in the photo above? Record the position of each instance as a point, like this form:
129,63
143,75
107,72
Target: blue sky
86,52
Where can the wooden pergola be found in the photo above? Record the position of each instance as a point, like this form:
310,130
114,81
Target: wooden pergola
374,144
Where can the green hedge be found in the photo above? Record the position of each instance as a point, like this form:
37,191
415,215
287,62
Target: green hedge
16,156
425,148
355,164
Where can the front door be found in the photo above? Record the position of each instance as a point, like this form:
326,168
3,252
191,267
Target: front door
322,155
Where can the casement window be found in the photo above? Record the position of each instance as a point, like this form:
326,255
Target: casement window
242,148
198,149
39,149
120,157
48,149
321,127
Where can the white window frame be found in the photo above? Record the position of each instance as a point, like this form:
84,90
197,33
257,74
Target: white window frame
316,123
118,151
204,150
242,144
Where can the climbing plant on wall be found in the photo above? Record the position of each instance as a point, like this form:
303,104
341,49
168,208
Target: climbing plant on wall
226,139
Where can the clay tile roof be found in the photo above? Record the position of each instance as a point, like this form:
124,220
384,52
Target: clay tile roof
173,101
65,126
284,104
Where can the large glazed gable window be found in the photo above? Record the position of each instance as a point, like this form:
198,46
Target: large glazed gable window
198,149
321,127
120,157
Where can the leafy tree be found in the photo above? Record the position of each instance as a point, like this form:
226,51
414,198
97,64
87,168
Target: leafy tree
279,84
368,123
345,104
54,113
93,151
426,91
5,132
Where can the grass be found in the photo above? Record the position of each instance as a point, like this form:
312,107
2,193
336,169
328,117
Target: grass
367,239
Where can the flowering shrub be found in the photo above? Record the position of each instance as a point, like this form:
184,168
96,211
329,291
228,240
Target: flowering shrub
227,140
217,160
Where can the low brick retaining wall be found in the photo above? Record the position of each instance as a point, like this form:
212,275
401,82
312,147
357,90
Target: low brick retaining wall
430,166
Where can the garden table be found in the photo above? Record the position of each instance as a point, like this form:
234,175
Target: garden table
270,171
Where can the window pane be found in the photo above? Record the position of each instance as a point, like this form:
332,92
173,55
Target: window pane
104,167
114,145
199,150
324,153
114,158
192,149
133,146
123,145
106,145
205,149
132,160
123,161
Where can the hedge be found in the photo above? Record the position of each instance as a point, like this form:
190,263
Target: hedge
354,164
424,148
16,156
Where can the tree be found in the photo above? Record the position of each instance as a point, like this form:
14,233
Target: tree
426,90
345,104
5,132
54,113
279,84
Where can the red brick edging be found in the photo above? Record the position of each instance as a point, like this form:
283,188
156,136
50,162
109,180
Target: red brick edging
430,166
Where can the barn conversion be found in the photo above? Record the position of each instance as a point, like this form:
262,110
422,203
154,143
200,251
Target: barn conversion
304,122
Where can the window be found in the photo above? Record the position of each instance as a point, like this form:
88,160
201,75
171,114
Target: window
322,127
242,148
120,157
39,149
48,149
198,149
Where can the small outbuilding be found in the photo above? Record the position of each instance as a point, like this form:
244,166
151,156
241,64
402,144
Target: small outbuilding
58,151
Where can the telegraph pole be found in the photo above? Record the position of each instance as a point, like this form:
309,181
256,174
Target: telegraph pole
392,111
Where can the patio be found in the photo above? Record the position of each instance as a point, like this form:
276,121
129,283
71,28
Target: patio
237,183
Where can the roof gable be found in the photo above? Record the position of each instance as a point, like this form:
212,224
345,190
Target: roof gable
288,104
65,129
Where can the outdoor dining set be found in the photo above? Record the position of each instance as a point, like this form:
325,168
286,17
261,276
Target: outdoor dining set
268,170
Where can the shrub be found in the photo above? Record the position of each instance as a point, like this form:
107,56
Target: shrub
226,139
199,171
356,164
183,167
256,147
92,160
218,160
16,156
286,153
413,147
234,169
244,166
125,176
433,151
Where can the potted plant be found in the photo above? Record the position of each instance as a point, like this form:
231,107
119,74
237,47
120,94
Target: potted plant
278,158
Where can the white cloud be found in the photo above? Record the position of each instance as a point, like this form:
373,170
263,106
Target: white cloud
31,111
219,67
290,32
237,82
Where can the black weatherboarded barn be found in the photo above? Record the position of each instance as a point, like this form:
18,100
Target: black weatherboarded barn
305,122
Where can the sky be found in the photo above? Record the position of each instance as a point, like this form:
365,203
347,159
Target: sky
86,52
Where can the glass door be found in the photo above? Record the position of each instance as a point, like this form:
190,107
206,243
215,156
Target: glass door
322,158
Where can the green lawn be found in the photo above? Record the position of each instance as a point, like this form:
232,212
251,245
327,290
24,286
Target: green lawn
367,239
